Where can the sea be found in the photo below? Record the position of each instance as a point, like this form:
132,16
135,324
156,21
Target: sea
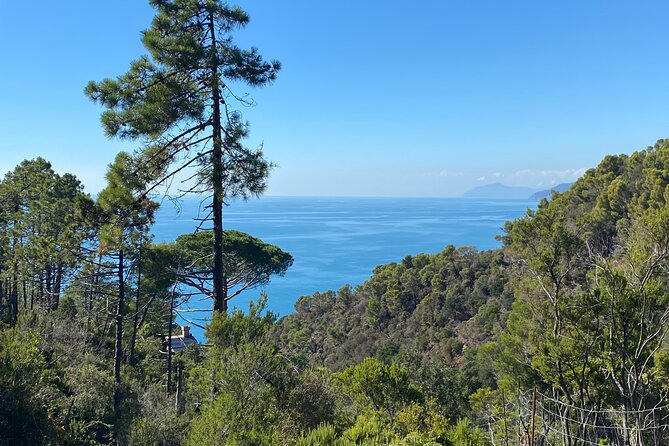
338,241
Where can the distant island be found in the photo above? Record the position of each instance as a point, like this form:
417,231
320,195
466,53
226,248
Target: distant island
499,190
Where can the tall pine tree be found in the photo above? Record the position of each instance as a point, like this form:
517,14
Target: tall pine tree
180,101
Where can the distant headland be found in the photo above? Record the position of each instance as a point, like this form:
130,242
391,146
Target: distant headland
499,190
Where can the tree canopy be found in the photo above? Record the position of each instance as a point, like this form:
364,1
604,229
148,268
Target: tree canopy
248,261
180,100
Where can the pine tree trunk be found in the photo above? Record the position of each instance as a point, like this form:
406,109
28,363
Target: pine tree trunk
57,286
133,339
14,296
178,399
220,298
118,347
40,293
169,347
47,283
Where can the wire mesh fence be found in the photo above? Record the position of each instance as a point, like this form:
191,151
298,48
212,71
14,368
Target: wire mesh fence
533,418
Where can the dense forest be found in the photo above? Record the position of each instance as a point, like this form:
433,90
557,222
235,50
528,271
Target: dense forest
556,338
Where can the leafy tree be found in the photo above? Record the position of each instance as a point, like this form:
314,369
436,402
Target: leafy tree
258,396
464,433
631,290
378,386
25,384
179,100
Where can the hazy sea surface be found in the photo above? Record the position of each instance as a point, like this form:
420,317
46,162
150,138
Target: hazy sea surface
338,241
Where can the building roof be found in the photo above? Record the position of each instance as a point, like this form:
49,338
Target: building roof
183,340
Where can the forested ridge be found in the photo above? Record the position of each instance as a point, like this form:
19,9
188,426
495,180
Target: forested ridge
430,306
556,338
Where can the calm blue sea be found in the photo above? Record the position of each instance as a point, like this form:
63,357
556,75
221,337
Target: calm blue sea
337,241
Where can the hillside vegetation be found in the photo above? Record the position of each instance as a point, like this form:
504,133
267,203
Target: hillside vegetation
430,306
557,338
436,349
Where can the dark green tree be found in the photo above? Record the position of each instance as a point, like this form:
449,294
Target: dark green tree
248,262
41,234
127,214
24,384
179,100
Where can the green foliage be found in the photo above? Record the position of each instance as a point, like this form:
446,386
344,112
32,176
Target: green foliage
226,421
429,306
92,390
239,329
42,227
248,261
370,429
324,435
158,423
466,434
173,84
379,387
590,317
575,305
426,420
25,387
258,395
125,209
461,300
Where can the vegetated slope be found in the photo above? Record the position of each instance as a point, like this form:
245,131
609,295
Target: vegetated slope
431,306
574,307
438,306
589,319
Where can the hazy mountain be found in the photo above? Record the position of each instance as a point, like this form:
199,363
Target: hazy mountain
499,190
547,193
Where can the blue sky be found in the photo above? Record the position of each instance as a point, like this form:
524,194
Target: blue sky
376,98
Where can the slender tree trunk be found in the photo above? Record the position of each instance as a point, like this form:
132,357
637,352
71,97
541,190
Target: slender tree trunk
169,347
40,287
146,309
118,348
94,293
14,295
178,399
2,283
220,299
47,282
56,286
133,339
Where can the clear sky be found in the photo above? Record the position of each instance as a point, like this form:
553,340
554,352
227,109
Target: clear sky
376,97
